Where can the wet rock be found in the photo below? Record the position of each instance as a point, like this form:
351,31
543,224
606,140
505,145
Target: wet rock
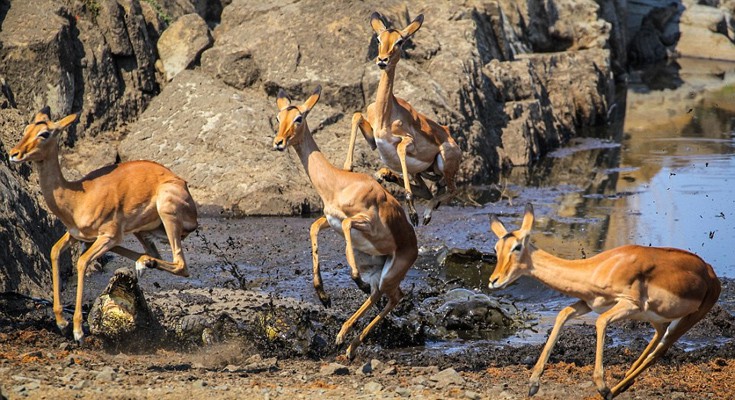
334,369
120,315
181,43
447,377
372,387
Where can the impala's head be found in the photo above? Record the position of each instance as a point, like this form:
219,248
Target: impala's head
292,119
513,250
39,137
390,41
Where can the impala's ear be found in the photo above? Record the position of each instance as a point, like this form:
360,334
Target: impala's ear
497,227
376,22
413,26
311,101
65,122
43,115
282,101
527,221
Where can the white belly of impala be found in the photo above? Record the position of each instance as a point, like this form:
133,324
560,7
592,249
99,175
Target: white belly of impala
389,156
359,242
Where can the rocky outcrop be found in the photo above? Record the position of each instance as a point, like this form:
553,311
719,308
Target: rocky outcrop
450,72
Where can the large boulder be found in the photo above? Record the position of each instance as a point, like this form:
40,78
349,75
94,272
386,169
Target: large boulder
181,43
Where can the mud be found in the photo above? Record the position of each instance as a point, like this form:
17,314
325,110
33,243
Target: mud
248,324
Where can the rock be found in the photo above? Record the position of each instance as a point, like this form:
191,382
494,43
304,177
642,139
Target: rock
403,392
256,363
236,68
80,385
107,374
392,370
372,387
199,384
120,315
334,369
447,377
702,24
181,43
468,394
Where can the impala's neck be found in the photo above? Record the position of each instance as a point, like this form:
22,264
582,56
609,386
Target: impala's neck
384,97
571,277
316,165
56,190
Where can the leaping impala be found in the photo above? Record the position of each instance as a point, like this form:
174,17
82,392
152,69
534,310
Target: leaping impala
138,197
406,140
357,207
670,288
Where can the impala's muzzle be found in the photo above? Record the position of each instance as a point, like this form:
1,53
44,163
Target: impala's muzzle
382,62
279,144
15,156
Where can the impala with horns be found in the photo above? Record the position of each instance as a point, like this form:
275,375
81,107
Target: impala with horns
670,288
406,140
139,197
380,242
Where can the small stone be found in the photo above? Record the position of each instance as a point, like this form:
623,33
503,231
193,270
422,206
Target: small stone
231,368
472,395
418,380
390,371
372,387
447,377
80,385
376,364
334,369
365,369
64,346
199,384
107,374
403,392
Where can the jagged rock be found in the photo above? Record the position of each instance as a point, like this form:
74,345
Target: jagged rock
235,68
703,24
181,43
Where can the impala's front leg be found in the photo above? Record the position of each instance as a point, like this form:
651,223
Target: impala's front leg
358,121
575,310
61,245
347,225
318,225
96,250
401,149
622,310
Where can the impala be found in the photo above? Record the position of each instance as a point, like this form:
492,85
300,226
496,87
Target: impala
372,222
138,197
406,140
670,288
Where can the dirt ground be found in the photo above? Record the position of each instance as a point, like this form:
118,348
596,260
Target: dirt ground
39,363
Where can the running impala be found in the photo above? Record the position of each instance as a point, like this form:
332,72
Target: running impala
670,288
406,140
358,208
138,197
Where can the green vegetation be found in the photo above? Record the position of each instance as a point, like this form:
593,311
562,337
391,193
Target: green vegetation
93,7
160,11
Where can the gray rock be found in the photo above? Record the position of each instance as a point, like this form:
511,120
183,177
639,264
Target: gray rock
372,387
80,384
447,377
107,374
236,68
181,43
392,370
472,395
403,392
334,369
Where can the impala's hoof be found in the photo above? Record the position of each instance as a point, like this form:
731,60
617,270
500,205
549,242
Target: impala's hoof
326,301
533,389
427,219
606,393
340,339
79,336
62,324
414,218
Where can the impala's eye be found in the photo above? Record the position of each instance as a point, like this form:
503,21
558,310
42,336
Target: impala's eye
298,119
517,247
44,135
398,43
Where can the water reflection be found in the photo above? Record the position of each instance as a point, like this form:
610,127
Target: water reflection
666,185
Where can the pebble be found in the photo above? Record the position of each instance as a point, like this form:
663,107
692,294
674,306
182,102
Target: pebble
403,392
372,387
80,385
390,371
418,380
447,377
472,395
375,364
199,384
334,369
107,374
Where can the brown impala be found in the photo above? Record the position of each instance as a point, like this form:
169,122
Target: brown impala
406,140
358,208
670,288
138,197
